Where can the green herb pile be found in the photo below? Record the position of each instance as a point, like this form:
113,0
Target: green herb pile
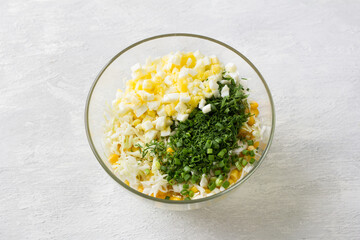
202,143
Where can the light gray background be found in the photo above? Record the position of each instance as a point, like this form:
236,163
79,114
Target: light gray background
51,185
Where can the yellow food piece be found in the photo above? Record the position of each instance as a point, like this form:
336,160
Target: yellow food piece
215,69
127,182
231,181
140,188
175,198
170,150
170,109
251,120
250,148
160,194
113,158
243,132
149,176
194,189
134,149
136,122
182,85
254,111
151,113
207,190
234,175
256,144
254,105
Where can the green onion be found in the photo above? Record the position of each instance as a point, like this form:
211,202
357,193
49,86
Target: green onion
226,184
244,162
238,165
185,186
222,153
187,199
221,164
213,179
202,143
212,186
219,125
187,177
147,171
252,160
208,144
194,178
187,169
250,142
226,169
184,192
171,182
179,179
218,182
252,153
191,193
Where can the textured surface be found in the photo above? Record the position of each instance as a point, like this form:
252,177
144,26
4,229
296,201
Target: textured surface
52,187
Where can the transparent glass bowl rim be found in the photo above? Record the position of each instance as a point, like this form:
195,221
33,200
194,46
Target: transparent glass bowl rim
238,183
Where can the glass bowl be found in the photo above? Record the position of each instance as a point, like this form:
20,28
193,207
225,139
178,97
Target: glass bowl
112,77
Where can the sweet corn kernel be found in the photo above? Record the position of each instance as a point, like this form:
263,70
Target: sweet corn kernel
160,194
127,182
175,198
254,105
234,175
136,122
134,149
207,190
255,111
141,188
149,176
170,150
231,181
243,132
194,189
251,121
113,158
250,148
256,144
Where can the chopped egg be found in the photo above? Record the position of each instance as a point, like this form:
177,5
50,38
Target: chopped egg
225,91
206,109
202,103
